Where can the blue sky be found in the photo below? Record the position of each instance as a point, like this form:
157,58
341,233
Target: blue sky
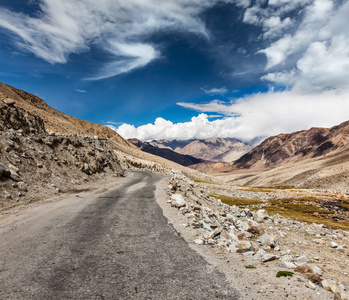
182,69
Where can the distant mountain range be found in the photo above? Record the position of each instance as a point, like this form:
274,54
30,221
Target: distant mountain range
318,157
182,159
213,149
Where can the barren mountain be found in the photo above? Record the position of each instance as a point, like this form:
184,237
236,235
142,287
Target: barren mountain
214,149
310,143
184,160
316,158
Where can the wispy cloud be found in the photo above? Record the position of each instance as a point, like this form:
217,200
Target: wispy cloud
215,106
216,91
118,27
80,91
259,115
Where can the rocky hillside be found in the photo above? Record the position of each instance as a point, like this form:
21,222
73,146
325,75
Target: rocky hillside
34,163
214,149
184,160
57,121
310,143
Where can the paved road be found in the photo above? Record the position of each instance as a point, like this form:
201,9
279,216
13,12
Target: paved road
117,245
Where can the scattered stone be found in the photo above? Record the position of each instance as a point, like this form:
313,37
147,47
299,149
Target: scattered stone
199,241
268,240
13,168
317,270
22,186
177,200
260,215
327,284
302,259
334,245
310,285
269,257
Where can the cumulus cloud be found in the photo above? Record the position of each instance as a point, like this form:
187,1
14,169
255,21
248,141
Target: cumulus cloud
216,91
309,48
118,27
259,115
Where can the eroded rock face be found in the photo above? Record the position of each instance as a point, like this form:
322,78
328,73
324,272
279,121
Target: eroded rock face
12,117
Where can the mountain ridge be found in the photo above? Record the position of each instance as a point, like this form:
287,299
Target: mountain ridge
167,153
212,149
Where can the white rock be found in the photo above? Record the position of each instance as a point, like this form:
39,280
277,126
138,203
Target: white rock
260,215
310,285
317,270
260,253
232,236
199,241
302,259
243,225
289,265
267,240
334,245
327,284
177,200
268,257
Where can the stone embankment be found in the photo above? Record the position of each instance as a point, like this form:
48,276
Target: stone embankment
317,252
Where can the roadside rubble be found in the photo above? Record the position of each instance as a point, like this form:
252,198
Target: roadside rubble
257,236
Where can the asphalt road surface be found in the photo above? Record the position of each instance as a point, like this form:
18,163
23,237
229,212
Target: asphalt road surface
117,245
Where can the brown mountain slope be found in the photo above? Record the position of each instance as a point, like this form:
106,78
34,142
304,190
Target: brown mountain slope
296,146
58,121
316,158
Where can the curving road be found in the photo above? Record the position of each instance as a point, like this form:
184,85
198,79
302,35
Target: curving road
117,245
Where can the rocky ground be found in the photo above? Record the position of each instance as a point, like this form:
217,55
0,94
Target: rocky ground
35,164
264,245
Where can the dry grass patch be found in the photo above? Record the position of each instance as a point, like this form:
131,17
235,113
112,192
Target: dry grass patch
303,209
240,202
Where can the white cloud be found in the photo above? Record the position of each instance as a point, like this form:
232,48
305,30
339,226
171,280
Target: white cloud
259,115
118,27
216,91
314,55
80,91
